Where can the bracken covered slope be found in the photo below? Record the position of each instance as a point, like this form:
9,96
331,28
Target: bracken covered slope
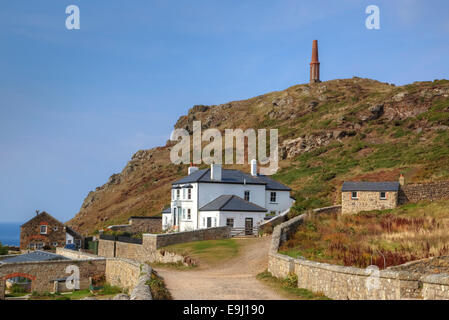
338,130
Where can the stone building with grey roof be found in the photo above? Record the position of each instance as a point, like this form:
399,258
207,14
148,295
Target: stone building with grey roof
367,196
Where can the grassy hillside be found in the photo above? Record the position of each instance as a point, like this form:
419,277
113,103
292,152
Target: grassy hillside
338,130
383,238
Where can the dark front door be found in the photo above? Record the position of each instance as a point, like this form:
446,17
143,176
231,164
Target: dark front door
248,226
209,222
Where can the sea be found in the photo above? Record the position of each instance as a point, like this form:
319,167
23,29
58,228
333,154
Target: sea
10,233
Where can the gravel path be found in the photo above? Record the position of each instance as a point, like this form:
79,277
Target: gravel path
232,280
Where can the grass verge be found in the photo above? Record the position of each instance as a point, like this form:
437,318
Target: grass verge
158,289
207,252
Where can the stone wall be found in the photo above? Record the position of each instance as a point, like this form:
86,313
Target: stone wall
129,250
106,248
141,290
140,225
123,273
341,283
424,191
149,251
435,287
145,224
130,275
367,201
44,274
332,209
156,241
75,255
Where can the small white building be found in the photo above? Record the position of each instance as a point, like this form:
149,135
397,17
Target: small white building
218,197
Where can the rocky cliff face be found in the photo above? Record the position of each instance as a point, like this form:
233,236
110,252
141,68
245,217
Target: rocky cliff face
328,132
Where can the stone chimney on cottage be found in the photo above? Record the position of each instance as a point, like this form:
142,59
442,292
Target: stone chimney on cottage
215,172
401,180
192,169
254,167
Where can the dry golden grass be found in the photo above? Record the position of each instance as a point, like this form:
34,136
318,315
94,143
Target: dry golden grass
384,238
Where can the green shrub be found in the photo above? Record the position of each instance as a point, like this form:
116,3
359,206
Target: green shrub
158,289
3,250
17,288
291,280
109,290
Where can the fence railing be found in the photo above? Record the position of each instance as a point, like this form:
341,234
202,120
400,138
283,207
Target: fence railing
129,240
107,237
120,238
244,231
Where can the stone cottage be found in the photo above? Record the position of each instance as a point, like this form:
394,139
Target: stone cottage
45,232
366,196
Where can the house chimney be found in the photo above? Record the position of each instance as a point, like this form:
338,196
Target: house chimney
192,169
254,167
401,179
215,172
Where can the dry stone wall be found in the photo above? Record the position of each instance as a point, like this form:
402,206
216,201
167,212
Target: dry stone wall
140,225
149,251
332,209
75,255
106,248
425,191
341,283
161,240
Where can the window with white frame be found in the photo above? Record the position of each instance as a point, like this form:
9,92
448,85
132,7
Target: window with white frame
43,229
184,213
354,195
383,195
247,195
272,196
189,214
230,222
183,193
178,193
55,228
204,221
189,193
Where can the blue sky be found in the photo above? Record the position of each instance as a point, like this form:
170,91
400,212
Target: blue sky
75,105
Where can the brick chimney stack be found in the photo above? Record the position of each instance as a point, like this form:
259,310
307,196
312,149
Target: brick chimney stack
315,64
401,180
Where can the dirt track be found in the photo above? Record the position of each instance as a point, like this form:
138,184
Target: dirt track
232,280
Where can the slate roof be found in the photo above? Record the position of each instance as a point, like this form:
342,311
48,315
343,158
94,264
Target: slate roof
231,203
232,176
73,233
147,218
43,213
34,257
167,210
370,186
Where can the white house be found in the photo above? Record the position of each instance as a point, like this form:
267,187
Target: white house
219,197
